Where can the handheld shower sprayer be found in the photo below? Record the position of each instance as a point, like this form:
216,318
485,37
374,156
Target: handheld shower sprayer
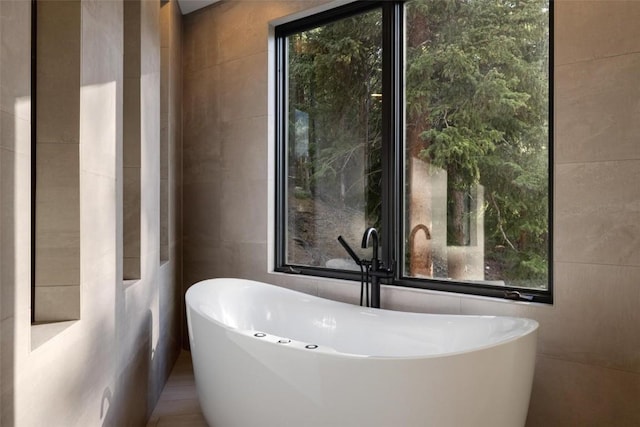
350,251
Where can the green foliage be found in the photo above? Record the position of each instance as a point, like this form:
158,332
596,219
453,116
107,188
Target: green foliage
334,70
477,84
476,93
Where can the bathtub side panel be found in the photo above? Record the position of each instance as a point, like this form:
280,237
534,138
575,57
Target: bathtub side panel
240,381
244,381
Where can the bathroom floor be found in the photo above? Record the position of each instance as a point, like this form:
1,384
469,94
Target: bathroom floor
178,404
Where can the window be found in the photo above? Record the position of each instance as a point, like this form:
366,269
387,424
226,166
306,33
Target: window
429,120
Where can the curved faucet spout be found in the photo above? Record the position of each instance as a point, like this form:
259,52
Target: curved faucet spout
368,233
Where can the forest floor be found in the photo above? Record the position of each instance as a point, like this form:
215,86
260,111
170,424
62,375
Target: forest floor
314,227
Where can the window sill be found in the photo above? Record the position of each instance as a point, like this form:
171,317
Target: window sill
43,332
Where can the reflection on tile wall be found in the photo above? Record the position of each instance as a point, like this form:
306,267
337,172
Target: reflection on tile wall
588,362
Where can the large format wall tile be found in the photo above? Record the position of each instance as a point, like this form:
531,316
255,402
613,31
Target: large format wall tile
594,318
15,179
100,42
339,291
200,46
7,371
203,227
59,130
240,30
597,207
58,72
231,30
16,61
242,264
108,368
131,122
15,132
15,160
131,222
586,30
243,90
243,218
58,303
243,155
574,394
201,121
404,299
99,100
57,216
98,194
587,343
597,109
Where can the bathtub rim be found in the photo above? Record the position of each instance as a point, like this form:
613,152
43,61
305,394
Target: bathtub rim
530,329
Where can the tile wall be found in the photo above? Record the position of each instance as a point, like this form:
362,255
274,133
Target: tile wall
15,150
115,358
57,231
107,368
588,370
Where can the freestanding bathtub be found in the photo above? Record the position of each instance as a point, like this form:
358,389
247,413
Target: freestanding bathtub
268,356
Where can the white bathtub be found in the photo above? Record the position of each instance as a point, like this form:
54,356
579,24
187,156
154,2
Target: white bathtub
268,356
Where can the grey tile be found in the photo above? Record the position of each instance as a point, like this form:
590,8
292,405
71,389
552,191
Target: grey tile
200,47
244,211
597,213
594,318
348,292
244,148
573,394
15,132
414,300
15,51
596,110
57,303
586,30
244,92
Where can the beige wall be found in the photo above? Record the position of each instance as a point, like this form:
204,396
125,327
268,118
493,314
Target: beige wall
588,370
15,149
109,367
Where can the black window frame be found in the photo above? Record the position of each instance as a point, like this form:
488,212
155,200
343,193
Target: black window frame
392,156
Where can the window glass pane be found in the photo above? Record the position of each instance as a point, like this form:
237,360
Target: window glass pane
334,105
476,141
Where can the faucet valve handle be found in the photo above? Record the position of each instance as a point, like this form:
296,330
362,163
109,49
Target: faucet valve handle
350,251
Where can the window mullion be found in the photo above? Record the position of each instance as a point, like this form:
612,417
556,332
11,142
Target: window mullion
281,151
393,122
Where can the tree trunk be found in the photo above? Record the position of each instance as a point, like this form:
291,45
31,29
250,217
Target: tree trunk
455,228
419,203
